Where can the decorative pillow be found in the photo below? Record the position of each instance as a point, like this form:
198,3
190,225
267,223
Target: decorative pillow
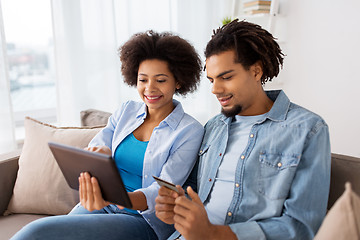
93,117
343,219
40,187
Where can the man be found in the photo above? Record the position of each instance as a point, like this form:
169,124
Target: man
264,163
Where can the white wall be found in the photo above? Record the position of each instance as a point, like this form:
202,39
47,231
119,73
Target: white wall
321,71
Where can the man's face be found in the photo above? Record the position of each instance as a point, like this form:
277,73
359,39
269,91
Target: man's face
235,88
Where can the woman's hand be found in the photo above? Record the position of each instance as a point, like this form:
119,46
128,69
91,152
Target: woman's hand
90,193
89,189
99,149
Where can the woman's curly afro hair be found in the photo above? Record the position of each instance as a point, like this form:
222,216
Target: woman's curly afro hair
182,58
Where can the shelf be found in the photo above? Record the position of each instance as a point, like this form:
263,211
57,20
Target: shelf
259,15
262,17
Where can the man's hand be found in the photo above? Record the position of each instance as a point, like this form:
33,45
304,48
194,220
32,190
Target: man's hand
192,222
190,218
99,149
165,203
90,193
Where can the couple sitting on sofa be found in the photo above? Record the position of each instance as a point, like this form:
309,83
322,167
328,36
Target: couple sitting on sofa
263,168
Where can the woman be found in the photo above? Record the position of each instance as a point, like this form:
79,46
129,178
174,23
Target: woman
153,137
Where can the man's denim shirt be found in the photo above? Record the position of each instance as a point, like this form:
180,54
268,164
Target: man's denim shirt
282,177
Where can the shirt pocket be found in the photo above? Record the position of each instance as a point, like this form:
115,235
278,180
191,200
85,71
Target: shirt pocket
277,171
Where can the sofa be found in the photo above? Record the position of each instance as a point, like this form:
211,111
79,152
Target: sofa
16,169
31,184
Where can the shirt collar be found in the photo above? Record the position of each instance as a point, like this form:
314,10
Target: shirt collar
278,111
173,119
142,112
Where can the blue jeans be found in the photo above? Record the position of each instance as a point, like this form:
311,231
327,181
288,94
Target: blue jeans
107,223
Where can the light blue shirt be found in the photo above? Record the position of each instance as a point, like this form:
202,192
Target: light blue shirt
222,192
282,181
171,152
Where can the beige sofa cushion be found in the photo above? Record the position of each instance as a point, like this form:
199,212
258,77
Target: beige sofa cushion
343,220
11,224
40,187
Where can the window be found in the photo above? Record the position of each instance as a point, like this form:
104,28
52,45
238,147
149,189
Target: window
30,55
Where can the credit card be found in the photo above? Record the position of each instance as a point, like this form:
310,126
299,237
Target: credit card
167,184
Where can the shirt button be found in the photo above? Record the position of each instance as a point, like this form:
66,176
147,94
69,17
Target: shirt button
220,154
145,176
200,151
229,214
251,135
237,185
242,157
279,164
210,179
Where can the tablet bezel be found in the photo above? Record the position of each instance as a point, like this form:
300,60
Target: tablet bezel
73,161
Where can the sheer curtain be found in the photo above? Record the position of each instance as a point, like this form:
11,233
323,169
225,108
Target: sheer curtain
87,34
86,57
195,21
7,134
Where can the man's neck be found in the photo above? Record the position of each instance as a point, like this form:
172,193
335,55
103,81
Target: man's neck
262,104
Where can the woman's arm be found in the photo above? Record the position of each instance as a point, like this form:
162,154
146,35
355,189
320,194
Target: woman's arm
179,163
138,200
105,136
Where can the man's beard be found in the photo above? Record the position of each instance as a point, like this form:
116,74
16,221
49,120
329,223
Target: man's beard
231,112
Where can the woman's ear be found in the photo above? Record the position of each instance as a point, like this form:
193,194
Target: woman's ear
177,86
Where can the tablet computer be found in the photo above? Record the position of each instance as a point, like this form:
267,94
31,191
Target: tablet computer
73,161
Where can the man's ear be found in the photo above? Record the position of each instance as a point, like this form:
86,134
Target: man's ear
258,70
